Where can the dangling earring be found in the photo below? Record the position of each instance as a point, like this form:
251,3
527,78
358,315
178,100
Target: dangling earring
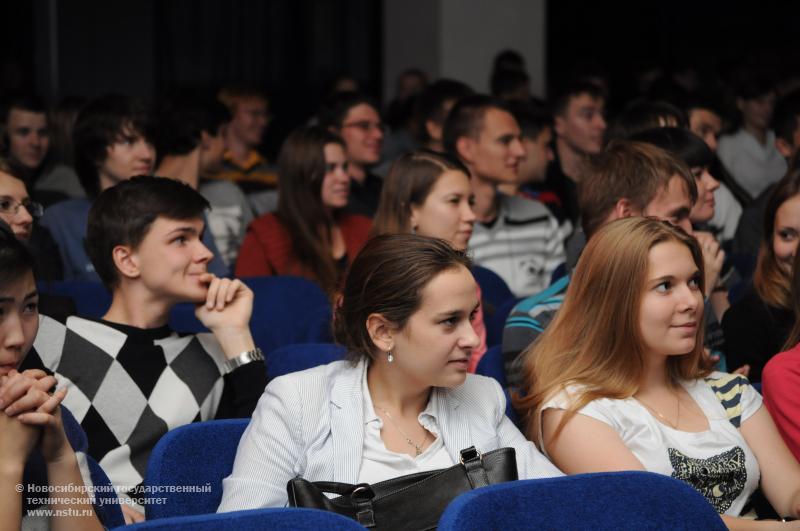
389,357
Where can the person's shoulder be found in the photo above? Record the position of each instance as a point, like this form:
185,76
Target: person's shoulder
723,382
553,295
523,209
782,364
317,381
61,213
480,394
268,225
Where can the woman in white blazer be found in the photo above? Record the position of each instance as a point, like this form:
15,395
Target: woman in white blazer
403,402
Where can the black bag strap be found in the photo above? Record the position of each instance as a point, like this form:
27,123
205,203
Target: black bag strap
472,460
361,498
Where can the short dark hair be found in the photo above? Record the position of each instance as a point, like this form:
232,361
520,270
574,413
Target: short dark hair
387,277
785,116
336,106
532,116
430,104
123,214
681,143
627,169
182,120
573,90
642,115
15,257
22,102
508,59
752,85
98,126
507,80
466,119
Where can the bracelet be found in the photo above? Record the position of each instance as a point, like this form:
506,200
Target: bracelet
243,359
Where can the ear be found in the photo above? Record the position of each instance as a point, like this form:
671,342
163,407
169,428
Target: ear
465,146
413,219
623,209
381,331
783,147
434,130
205,140
126,261
558,125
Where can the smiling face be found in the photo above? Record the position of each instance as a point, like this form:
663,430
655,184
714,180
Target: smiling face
19,321
336,184
703,209
434,347
672,303
171,259
28,137
497,152
249,121
786,233
362,131
130,155
13,195
446,212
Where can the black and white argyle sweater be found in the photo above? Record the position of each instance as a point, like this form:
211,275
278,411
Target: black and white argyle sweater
128,386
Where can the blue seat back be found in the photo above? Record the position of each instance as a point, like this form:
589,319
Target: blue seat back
493,288
491,365
606,501
194,455
91,298
254,520
301,356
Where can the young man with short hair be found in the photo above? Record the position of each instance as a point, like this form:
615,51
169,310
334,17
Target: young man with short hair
26,136
536,125
517,238
130,377
191,143
433,106
627,179
579,127
242,163
355,118
113,142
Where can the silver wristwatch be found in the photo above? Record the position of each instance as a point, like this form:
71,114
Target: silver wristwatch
243,359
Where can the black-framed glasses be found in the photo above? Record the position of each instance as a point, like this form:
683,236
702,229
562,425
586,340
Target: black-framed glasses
367,126
11,206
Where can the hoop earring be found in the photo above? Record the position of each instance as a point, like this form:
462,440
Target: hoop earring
389,357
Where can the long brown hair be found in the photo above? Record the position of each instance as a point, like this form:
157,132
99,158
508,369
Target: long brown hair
410,181
595,340
772,283
794,336
301,170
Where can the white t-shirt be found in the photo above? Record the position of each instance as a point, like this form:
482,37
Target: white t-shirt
379,464
718,462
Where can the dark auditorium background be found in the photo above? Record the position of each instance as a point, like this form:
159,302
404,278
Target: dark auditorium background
295,48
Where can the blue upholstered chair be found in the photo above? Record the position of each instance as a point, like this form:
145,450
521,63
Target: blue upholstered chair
91,298
493,288
255,520
107,502
606,501
301,356
197,455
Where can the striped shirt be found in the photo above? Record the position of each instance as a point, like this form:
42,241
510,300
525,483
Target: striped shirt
523,245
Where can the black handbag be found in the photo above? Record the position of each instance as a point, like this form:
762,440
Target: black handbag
408,503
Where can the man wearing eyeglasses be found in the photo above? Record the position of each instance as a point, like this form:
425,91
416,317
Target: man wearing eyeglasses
19,212
356,119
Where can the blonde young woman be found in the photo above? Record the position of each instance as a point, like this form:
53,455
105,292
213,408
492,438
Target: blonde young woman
430,194
617,381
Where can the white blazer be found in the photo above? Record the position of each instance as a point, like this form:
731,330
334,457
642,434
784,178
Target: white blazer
311,424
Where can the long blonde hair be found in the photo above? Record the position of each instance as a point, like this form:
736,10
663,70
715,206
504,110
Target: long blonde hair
595,339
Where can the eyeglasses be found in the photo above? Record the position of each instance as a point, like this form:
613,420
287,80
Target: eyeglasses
366,126
10,206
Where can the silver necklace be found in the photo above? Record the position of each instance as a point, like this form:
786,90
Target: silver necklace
409,440
662,417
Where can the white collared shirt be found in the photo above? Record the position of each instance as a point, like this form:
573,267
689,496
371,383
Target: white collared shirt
379,464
